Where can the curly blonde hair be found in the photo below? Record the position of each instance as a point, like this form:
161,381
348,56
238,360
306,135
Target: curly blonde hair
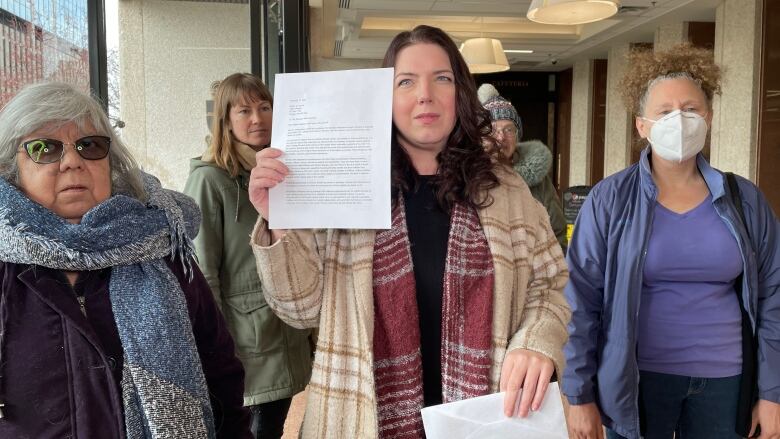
647,68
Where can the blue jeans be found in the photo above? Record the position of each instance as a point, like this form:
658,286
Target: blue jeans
693,408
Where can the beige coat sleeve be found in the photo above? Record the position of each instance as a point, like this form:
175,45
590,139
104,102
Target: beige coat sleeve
546,312
291,270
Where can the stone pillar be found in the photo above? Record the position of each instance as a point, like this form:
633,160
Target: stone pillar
132,80
617,148
581,117
735,112
670,34
169,56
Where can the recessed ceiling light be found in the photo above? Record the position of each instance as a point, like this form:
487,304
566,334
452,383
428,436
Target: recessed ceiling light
518,51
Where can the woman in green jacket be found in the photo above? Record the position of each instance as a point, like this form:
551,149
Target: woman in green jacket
276,357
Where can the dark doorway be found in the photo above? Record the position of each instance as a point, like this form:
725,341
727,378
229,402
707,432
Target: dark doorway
768,172
599,122
702,34
535,98
530,94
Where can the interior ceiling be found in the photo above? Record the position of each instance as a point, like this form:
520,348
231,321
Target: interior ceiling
363,28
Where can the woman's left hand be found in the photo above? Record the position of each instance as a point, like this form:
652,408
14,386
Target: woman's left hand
767,415
525,375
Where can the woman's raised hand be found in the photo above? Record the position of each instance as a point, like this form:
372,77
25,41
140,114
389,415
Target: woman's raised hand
267,173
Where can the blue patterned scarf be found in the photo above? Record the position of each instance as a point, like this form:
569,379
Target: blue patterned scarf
163,385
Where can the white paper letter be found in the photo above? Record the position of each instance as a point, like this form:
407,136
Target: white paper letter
334,129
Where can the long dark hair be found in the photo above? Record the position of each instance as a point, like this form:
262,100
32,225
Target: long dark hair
465,168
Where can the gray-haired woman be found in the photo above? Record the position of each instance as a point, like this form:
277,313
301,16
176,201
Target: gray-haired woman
107,328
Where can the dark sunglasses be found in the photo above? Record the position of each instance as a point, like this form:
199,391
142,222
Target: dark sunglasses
45,151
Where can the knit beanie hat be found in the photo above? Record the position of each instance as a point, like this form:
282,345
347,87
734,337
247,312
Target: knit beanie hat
500,108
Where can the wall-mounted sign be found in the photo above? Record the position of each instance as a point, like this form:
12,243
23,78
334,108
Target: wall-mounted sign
573,198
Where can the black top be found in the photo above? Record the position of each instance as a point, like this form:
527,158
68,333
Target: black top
429,228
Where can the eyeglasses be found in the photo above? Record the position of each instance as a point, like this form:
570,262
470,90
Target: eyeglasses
508,131
46,151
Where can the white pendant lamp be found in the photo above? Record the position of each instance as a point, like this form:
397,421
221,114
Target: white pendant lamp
571,11
484,55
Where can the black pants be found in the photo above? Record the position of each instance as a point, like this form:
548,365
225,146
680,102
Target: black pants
268,418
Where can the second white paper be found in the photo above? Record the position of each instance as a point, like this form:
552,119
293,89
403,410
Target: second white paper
483,418
334,129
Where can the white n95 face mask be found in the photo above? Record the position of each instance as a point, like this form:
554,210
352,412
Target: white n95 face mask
678,136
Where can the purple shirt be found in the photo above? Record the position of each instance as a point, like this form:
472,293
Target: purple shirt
689,315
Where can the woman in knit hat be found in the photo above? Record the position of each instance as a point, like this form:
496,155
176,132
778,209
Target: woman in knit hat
531,159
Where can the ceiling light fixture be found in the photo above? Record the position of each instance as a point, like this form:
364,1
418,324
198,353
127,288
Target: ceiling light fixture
569,12
484,55
518,51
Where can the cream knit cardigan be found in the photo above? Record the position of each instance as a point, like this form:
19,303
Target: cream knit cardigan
323,279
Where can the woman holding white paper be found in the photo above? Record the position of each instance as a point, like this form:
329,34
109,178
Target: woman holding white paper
402,312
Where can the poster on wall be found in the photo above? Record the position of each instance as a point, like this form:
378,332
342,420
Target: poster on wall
573,198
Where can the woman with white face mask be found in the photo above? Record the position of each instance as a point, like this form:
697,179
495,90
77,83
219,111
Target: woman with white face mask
674,296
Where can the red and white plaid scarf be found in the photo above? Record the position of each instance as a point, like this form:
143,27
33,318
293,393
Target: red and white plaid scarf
467,310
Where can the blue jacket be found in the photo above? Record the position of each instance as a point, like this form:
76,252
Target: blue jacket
606,260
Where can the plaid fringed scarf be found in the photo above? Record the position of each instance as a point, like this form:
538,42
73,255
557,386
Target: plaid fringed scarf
467,309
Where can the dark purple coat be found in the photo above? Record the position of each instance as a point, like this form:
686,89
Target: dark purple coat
60,369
